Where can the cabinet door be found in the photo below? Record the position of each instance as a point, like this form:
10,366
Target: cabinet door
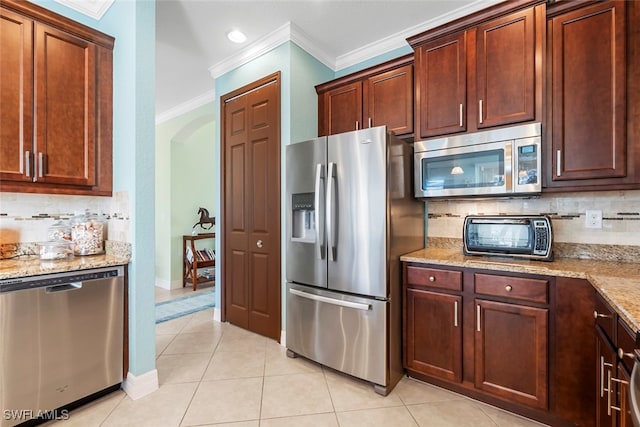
605,371
588,93
441,79
16,96
388,100
343,108
506,52
624,411
511,352
434,334
65,108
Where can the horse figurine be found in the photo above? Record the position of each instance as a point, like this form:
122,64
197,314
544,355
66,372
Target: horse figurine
205,219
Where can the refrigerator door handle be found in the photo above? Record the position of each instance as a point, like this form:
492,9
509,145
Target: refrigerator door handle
341,303
320,240
331,211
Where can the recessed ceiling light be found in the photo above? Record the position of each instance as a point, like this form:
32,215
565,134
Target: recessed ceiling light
236,36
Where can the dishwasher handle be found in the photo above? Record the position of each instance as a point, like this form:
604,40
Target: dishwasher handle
74,286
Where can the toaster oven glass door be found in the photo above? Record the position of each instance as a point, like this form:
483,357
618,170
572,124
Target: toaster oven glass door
502,236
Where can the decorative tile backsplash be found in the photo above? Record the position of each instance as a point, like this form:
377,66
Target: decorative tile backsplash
25,218
620,215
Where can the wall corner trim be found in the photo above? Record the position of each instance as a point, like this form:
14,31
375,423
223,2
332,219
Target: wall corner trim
141,385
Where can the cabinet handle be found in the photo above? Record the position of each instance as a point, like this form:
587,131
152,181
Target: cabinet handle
480,111
558,163
609,406
508,288
622,354
370,122
432,279
40,164
357,125
455,314
478,317
615,408
461,122
27,163
596,315
602,366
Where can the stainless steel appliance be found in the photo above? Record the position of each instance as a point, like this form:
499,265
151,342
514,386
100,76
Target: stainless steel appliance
519,236
634,385
61,340
501,162
350,215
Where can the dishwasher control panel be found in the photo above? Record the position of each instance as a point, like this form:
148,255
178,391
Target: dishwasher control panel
54,279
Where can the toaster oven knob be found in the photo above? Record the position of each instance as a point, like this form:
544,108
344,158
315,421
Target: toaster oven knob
432,279
508,288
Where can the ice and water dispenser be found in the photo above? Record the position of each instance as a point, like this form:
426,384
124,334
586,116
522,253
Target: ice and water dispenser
303,225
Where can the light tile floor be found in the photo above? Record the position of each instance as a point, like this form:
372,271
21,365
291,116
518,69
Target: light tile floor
213,373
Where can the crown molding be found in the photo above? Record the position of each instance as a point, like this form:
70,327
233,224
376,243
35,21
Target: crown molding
93,8
287,32
398,40
186,106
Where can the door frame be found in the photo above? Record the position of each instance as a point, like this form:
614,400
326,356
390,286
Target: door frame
269,79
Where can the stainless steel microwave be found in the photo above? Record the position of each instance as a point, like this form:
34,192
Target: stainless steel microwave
519,236
501,162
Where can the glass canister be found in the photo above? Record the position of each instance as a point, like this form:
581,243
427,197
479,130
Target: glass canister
59,231
87,234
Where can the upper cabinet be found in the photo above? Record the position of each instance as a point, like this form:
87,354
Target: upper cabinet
56,95
380,95
480,71
592,96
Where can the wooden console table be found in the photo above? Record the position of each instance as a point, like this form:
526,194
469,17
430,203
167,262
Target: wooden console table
194,258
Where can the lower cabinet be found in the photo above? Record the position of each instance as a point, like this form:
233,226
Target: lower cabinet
518,341
434,334
615,343
511,351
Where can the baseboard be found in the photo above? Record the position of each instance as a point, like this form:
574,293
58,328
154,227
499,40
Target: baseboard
168,284
217,315
283,338
141,385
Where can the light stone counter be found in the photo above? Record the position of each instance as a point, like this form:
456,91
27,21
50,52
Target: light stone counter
32,265
617,282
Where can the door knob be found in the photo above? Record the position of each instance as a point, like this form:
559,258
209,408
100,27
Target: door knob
259,243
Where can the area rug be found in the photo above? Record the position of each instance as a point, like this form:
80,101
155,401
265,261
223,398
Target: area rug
168,310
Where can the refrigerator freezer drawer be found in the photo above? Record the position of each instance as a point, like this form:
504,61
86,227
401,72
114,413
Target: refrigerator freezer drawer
341,331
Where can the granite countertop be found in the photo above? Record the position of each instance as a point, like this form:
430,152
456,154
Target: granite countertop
32,265
617,282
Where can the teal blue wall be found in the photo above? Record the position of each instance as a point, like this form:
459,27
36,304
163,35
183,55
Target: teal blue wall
132,23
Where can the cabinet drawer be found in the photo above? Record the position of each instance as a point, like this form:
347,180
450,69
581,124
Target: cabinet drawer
605,318
434,278
534,290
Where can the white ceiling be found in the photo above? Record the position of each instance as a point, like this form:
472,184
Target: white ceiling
192,48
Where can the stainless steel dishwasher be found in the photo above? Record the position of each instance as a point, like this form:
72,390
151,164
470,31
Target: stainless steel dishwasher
61,340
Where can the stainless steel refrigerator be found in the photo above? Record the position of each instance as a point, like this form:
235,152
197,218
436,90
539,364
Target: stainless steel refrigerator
350,215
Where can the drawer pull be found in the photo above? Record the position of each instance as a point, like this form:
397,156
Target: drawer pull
622,354
432,279
508,288
597,315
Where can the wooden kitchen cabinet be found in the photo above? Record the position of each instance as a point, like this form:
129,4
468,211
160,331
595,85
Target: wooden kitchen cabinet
511,351
380,95
56,94
615,343
518,341
488,73
433,333
592,97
